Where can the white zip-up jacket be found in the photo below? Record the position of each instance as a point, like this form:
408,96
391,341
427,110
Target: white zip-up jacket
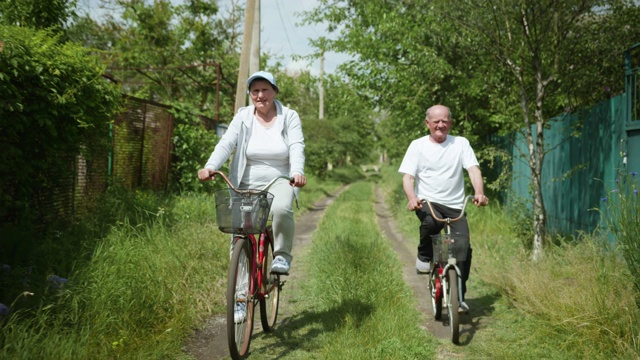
236,139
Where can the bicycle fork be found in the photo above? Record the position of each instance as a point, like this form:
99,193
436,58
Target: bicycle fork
446,280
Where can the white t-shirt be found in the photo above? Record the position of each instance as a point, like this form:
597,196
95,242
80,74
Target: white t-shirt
267,154
437,169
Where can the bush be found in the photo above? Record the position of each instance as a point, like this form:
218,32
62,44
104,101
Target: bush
192,145
55,106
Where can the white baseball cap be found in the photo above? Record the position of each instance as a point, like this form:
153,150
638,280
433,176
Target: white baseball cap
262,75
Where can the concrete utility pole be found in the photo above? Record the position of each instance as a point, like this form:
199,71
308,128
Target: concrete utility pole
254,64
321,88
243,73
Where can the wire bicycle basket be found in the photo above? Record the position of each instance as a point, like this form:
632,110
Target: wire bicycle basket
450,245
242,212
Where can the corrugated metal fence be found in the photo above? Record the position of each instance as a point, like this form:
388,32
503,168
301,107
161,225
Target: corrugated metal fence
579,169
142,145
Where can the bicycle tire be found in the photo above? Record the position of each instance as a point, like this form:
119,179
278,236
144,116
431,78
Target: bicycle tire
454,304
270,287
435,288
238,291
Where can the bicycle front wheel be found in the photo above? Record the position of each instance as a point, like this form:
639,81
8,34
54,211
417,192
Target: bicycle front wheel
270,298
239,302
454,304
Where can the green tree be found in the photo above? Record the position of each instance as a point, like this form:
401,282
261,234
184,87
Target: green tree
51,14
55,105
502,66
346,133
539,51
406,59
169,53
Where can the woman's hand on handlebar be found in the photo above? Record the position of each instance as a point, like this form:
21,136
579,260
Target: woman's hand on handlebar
480,200
206,174
298,180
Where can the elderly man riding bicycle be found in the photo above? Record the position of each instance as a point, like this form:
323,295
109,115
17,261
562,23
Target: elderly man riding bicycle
432,168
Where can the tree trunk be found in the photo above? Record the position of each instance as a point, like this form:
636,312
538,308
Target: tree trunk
539,212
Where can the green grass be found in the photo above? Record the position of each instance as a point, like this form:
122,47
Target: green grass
354,303
139,293
143,271
578,302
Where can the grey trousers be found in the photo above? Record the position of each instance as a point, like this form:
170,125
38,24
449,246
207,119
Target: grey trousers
283,223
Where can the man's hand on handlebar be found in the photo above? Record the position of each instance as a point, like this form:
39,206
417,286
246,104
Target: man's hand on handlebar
206,174
414,204
480,200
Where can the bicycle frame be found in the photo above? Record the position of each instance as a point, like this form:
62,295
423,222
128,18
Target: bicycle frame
257,289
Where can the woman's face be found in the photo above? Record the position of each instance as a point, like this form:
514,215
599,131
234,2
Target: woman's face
262,95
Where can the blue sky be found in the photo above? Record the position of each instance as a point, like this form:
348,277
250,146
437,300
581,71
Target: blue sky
281,32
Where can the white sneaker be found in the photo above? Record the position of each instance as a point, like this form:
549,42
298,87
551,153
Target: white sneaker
463,308
280,265
422,267
240,312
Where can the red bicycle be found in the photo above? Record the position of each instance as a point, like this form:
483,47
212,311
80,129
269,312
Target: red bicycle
445,283
245,213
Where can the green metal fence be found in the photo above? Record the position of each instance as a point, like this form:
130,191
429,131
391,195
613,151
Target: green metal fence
632,119
579,171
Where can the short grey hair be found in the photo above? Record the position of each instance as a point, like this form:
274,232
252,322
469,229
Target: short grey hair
448,110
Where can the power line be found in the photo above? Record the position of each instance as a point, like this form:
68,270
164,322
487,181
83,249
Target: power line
286,33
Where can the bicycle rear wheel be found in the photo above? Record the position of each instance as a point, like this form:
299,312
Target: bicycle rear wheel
270,288
435,289
239,302
454,304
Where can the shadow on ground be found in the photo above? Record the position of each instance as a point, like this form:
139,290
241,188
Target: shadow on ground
298,331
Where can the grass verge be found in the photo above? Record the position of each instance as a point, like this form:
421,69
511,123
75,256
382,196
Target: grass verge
576,303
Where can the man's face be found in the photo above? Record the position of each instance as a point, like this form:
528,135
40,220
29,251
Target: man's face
438,123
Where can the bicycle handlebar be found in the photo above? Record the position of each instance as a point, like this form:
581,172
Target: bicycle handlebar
448,220
226,179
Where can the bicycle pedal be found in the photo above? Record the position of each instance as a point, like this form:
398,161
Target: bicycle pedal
422,273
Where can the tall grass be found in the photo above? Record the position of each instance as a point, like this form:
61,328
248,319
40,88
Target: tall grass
148,271
146,283
621,213
576,302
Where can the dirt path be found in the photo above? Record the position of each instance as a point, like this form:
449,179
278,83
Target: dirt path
210,343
